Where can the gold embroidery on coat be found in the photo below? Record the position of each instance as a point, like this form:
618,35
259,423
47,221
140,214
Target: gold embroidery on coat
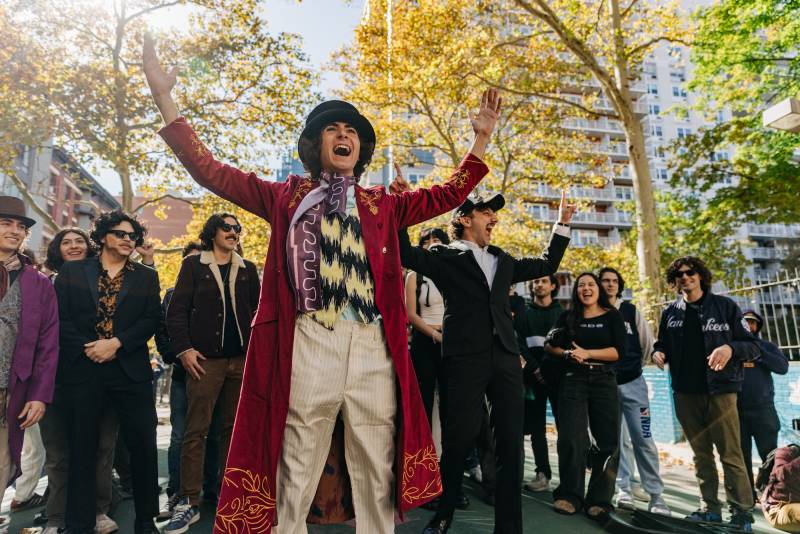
370,197
198,145
252,510
423,459
460,178
299,192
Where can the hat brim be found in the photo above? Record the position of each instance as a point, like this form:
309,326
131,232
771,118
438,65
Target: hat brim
362,125
27,220
495,201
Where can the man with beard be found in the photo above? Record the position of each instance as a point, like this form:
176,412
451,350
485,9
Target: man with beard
208,320
479,347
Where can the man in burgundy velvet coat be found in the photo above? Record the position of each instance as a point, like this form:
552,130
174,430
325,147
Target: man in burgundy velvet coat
329,337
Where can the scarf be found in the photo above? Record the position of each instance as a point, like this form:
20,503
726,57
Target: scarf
303,240
14,263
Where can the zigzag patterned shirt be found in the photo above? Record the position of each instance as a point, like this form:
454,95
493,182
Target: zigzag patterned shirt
348,289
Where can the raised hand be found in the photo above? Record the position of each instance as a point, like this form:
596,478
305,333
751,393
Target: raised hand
159,81
484,121
565,209
399,184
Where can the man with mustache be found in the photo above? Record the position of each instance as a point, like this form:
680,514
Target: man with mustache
329,338
208,319
480,353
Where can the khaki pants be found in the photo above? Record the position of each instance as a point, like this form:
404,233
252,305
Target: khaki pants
785,517
346,370
713,421
221,383
6,464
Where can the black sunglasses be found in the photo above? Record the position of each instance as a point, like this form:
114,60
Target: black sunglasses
228,227
687,272
122,234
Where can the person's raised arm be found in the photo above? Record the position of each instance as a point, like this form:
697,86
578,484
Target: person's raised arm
243,189
416,206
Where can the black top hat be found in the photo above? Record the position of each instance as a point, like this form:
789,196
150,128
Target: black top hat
14,208
496,201
336,111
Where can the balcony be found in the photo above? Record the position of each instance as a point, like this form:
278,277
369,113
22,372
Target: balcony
608,194
611,149
589,218
601,241
774,230
599,126
765,253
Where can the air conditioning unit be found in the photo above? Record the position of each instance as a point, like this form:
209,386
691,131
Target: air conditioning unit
85,209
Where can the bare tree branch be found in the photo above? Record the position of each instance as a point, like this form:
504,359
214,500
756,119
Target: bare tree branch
647,44
26,194
159,199
149,9
628,9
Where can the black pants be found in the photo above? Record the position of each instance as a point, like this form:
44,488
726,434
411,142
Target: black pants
536,424
496,374
762,425
588,398
427,359
133,402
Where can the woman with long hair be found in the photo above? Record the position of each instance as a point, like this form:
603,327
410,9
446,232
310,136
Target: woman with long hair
69,244
590,336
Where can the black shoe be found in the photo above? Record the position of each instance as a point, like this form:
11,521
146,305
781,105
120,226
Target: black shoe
147,527
462,501
432,505
437,526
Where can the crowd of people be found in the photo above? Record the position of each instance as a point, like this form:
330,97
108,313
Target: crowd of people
299,396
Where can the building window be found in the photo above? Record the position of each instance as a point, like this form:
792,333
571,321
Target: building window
654,109
652,89
679,92
662,174
656,130
683,133
539,211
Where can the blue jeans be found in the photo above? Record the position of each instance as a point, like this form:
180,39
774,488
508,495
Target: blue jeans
635,410
177,418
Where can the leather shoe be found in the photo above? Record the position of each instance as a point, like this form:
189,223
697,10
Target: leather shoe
437,526
462,501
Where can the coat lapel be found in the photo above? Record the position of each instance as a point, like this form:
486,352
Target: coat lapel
91,269
127,282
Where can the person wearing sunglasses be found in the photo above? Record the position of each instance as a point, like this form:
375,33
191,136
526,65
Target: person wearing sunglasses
109,307
208,321
705,341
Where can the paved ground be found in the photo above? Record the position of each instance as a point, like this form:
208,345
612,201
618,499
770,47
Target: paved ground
681,495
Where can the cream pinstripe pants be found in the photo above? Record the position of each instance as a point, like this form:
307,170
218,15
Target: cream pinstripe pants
346,370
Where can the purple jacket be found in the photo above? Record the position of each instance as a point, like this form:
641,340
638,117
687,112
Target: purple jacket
35,359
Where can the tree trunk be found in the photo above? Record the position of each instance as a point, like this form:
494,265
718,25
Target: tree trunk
127,189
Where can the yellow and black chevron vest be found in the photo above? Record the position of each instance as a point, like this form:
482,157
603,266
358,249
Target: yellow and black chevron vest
345,277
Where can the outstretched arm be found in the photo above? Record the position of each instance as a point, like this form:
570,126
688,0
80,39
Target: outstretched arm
418,259
243,189
530,268
422,204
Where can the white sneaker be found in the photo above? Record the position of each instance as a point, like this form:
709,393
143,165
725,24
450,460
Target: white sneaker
658,506
538,483
625,500
476,474
105,525
50,530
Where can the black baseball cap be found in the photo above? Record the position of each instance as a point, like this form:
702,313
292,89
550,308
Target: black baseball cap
496,201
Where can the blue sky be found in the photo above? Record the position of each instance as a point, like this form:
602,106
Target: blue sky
324,25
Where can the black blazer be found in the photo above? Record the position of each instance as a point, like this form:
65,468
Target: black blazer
473,312
135,320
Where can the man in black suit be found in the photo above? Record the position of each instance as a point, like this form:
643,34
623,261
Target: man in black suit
479,346
109,308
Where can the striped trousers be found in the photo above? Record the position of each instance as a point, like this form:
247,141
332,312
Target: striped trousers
346,370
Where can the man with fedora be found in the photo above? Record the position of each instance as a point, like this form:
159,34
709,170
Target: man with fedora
28,339
480,354
328,340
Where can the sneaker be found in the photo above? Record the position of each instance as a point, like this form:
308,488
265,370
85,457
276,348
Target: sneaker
105,525
704,515
742,519
169,507
658,506
625,500
538,483
52,530
40,518
639,494
475,473
185,515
